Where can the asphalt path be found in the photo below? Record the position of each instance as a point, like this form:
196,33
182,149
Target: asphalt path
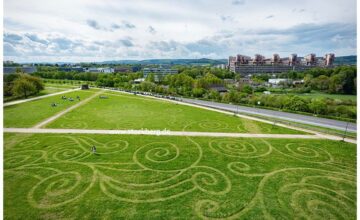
305,119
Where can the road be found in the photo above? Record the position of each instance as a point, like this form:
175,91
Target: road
311,120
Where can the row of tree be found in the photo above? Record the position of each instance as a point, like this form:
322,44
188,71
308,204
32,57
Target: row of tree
200,71
50,72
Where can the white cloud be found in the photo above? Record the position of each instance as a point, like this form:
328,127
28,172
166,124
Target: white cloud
151,30
120,29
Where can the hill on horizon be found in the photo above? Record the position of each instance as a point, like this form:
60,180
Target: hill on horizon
341,60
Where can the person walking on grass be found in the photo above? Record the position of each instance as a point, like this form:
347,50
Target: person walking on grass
93,149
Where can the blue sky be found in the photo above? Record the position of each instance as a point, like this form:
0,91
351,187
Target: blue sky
85,30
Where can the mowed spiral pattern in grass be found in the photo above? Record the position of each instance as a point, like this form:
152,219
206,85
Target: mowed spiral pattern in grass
221,178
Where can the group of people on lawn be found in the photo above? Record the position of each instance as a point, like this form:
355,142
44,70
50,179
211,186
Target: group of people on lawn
64,98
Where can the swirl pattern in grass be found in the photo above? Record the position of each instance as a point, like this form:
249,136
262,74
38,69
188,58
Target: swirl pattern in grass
57,176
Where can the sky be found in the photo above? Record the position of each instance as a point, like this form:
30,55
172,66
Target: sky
89,30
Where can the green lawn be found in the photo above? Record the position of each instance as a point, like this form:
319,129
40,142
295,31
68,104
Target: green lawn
313,94
326,95
51,89
48,176
30,113
123,111
61,86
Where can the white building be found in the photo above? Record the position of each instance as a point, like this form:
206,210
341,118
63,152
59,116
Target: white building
8,62
99,70
138,81
106,70
277,81
221,66
91,70
159,71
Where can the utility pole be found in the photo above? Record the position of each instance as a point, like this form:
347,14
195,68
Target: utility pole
345,131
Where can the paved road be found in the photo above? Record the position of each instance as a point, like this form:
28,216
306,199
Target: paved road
39,97
323,122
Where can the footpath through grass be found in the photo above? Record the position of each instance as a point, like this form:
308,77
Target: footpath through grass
49,89
49,176
122,111
30,113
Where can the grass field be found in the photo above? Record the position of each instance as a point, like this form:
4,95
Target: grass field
30,113
148,177
313,94
326,95
56,176
123,111
61,86
53,88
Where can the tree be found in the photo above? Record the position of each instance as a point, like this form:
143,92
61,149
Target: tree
336,83
147,86
18,70
247,89
23,87
292,75
348,86
198,92
36,81
207,80
308,80
318,106
321,83
8,89
297,103
214,95
150,77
